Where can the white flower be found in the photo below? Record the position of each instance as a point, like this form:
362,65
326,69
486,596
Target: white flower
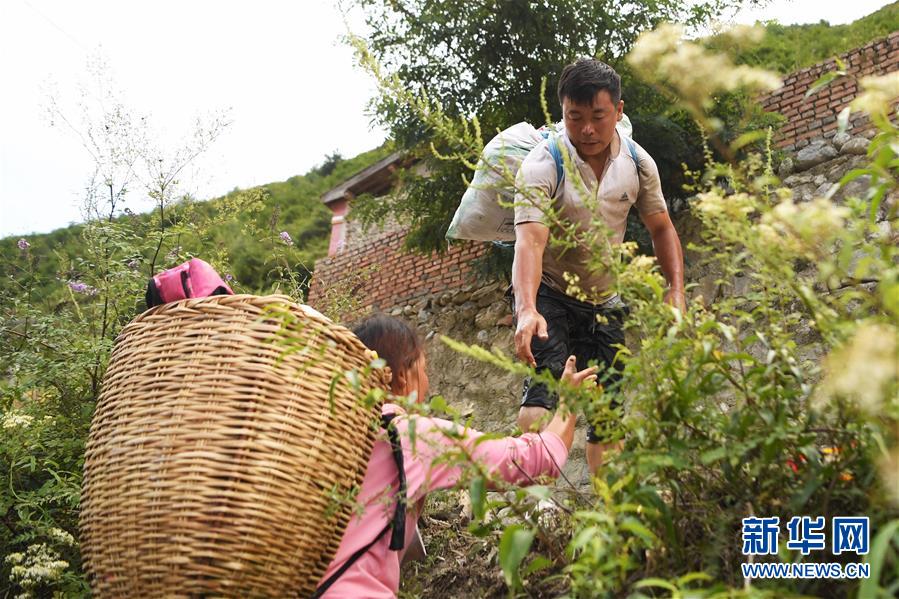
804,228
13,420
62,537
694,73
878,95
863,368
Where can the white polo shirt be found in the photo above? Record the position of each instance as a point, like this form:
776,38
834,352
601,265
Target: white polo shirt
621,187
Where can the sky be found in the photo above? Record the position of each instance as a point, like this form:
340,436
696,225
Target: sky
291,89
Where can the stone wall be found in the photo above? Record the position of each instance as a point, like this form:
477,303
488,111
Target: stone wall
809,118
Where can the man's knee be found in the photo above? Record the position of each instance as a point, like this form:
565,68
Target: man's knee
533,418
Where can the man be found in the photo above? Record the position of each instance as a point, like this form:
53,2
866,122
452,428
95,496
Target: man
551,325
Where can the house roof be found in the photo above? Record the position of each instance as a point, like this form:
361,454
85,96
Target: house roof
375,179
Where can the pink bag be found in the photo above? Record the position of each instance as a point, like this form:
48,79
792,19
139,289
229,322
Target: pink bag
194,278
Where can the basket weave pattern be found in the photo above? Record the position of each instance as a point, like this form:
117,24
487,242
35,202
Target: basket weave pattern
223,449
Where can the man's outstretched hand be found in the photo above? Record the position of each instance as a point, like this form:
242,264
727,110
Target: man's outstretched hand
530,323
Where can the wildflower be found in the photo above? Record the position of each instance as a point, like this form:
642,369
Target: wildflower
878,94
79,287
23,245
13,420
134,264
804,229
694,73
40,565
736,206
285,237
228,277
62,537
863,369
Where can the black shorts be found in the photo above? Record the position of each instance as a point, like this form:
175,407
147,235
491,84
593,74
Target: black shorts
572,329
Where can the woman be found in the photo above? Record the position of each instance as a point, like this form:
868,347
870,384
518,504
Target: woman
370,568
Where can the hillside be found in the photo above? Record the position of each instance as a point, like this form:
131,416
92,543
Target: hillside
246,239
787,48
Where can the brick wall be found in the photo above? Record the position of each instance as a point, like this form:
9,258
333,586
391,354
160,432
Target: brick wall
386,276
817,115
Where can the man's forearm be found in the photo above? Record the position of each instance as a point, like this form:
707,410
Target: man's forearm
666,245
527,270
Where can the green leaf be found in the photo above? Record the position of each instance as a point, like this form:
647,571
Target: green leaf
655,582
513,547
748,138
713,455
823,81
541,492
636,527
537,564
478,494
877,557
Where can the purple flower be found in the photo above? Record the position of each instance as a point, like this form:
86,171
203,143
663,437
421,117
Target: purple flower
285,237
79,287
134,264
23,245
228,277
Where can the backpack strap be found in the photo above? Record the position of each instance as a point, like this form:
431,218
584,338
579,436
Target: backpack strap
552,142
556,153
398,537
398,523
632,150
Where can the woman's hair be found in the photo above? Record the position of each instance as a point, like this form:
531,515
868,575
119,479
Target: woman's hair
394,340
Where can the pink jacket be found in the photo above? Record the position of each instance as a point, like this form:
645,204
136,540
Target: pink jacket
376,574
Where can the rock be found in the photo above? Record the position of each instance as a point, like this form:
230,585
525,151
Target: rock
466,313
741,286
823,189
708,289
796,180
506,321
820,180
423,315
407,310
445,299
840,139
837,171
397,311
856,145
815,153
421,305
430,335
786,167
461,297
485,319
856,188
483,297
483,337
803,193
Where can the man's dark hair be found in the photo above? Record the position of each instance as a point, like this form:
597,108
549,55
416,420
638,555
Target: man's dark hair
583,79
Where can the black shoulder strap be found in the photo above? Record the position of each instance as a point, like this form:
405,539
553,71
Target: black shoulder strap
398,524
398,537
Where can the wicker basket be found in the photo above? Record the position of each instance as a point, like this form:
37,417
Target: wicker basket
224,448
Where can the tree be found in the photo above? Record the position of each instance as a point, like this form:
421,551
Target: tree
487,59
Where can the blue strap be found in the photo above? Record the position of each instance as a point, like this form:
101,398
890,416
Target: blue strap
632,150
556,153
